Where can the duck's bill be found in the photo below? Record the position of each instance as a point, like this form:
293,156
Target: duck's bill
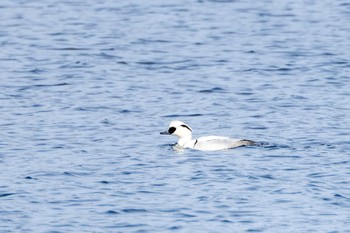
165,133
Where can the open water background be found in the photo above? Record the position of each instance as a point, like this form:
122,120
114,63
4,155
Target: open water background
86,87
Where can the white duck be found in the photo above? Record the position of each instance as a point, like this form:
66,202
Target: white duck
184,132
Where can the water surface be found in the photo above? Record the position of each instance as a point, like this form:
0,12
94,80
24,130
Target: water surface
85,90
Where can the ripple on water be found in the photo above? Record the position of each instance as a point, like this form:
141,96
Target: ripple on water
85,90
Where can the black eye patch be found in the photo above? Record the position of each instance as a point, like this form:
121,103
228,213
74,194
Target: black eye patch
186,127
171,130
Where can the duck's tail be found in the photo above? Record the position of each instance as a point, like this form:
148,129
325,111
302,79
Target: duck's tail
246,142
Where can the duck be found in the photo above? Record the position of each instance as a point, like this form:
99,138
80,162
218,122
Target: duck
206,143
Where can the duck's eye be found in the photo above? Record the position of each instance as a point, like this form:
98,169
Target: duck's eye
171,130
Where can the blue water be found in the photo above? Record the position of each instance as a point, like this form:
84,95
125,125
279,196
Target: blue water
86,87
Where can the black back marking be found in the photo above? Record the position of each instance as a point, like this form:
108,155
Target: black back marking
195,143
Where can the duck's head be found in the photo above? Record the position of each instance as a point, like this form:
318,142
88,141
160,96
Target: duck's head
180,129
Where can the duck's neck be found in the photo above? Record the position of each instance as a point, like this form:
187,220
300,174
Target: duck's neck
183,140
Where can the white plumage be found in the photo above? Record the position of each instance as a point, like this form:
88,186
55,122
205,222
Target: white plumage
184,132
